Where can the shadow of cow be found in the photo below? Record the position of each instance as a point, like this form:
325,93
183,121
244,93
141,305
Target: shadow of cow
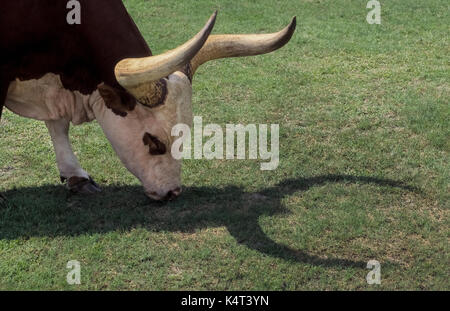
50,211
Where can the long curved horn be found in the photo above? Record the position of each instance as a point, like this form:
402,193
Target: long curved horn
222,46
131,73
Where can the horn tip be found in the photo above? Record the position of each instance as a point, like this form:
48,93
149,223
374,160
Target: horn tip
286,34
214,15
212,20
293,24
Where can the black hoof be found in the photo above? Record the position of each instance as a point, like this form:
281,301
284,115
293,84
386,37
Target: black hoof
83,185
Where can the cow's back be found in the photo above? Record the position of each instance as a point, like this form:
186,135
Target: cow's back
35,39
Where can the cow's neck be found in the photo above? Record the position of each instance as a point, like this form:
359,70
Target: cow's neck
46,99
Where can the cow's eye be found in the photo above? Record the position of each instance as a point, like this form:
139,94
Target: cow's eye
156,147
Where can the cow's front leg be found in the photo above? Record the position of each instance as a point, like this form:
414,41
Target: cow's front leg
78,181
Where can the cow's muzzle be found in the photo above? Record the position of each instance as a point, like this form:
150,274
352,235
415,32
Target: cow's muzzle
169,196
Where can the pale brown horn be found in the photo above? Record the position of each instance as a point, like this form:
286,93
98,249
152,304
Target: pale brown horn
132,73
222,46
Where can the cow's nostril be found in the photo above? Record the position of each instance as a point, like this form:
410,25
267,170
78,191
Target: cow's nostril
172,194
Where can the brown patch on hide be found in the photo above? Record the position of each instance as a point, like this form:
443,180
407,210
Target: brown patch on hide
82,55
188,71
156,147
119,101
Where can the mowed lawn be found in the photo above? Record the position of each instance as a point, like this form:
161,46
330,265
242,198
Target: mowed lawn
364,164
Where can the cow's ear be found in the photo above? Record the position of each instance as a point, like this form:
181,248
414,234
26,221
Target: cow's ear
119,101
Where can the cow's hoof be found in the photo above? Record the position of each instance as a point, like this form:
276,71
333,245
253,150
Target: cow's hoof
82,185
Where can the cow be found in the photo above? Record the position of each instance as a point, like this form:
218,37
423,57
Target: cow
102,69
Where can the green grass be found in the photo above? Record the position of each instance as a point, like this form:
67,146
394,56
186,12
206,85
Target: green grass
364,174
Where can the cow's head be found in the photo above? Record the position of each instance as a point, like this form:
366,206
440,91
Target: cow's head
161,98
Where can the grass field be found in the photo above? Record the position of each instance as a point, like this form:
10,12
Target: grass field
364,164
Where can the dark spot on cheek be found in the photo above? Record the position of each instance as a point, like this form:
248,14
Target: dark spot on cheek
156,147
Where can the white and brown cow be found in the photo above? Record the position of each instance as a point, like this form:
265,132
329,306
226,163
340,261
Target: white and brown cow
103,70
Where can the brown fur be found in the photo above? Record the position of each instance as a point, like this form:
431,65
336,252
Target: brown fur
83,55
117,100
